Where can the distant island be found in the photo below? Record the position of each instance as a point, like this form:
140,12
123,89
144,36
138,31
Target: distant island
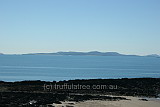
91,53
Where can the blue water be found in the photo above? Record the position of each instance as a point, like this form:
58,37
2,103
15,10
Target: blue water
49,68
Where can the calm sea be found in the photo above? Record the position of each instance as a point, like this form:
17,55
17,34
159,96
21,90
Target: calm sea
49,68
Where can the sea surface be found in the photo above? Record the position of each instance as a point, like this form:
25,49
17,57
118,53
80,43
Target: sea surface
56,68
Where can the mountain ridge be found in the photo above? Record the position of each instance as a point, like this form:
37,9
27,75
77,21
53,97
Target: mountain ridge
90,53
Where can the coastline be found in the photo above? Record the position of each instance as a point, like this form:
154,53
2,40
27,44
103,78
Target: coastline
117,91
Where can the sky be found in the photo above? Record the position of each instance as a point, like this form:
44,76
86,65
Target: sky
124,26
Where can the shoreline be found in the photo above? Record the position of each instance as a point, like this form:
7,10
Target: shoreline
81,79
40,93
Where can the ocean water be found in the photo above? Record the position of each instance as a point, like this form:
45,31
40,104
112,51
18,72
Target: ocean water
56,68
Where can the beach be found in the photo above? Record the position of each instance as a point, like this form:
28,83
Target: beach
133,102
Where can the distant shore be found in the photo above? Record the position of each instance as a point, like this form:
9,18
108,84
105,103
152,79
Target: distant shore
91,53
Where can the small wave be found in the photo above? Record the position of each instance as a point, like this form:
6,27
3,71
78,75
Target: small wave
150,73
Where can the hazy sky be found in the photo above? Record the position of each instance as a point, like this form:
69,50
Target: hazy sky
125,26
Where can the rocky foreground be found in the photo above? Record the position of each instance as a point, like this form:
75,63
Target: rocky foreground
42,93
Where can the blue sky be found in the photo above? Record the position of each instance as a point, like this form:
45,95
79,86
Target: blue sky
124,26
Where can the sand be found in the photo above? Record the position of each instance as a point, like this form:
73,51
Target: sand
134,102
